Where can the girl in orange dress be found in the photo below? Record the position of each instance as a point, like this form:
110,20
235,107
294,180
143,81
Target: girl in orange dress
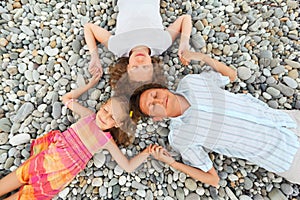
57,157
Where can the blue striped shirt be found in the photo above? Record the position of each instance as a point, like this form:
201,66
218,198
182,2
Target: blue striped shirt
236,125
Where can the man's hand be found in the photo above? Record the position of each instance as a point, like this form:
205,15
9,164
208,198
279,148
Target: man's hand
159,153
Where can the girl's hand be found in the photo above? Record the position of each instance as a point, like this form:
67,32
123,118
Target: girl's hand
95,66
95,79
159,153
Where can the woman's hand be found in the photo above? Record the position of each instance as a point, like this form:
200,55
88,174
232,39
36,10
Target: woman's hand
161,154
95,66
183,48
95,79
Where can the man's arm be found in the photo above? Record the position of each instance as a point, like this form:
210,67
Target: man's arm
218,66
210,177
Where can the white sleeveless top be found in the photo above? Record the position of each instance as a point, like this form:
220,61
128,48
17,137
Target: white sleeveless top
139,23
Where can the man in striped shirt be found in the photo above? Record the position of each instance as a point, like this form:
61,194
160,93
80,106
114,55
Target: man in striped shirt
205,117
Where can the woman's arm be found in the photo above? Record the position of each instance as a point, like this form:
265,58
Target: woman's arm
218,66
127,165
210,177
92,33
182,25
69,99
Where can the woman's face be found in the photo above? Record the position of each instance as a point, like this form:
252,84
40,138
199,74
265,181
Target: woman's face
140,66
111,114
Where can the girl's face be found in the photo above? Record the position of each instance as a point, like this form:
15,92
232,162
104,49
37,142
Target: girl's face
140,66
111,114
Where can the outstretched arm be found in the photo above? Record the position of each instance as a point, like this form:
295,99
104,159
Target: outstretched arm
182,25
92,33
210,177
218,66
69,99
127,165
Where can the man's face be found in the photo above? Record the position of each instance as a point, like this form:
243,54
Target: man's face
157,103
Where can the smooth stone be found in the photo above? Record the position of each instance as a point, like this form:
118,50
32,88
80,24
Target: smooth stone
278,70
5,125
157,166
3,138
51,51
245,197
192,196
197,41
230,194
244,73
233,177
248,184
8,163
25,110
286,189
293,64
141,193
64,193
122,180
20,138
276,194
96,182
56,110
273,92
73,59
27,30
290,82
293,74
287,91
99,159
138,185
190,184
162,131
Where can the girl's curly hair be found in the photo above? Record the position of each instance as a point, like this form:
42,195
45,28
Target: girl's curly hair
123,135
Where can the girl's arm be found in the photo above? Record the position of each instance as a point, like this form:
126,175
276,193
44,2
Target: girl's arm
210,177
218,66
69,99
127,165
182,25
92,33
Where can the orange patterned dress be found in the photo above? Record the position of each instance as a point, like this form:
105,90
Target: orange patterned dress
56,158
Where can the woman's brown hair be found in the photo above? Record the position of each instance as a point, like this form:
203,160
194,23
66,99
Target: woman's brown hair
121,83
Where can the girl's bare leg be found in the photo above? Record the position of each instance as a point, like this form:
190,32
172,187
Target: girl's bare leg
9,183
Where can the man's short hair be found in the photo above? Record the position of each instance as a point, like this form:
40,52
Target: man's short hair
135,108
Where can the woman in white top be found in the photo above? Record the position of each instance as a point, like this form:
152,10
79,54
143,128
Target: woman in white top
139,35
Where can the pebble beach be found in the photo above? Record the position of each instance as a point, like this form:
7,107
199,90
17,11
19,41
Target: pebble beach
43,55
